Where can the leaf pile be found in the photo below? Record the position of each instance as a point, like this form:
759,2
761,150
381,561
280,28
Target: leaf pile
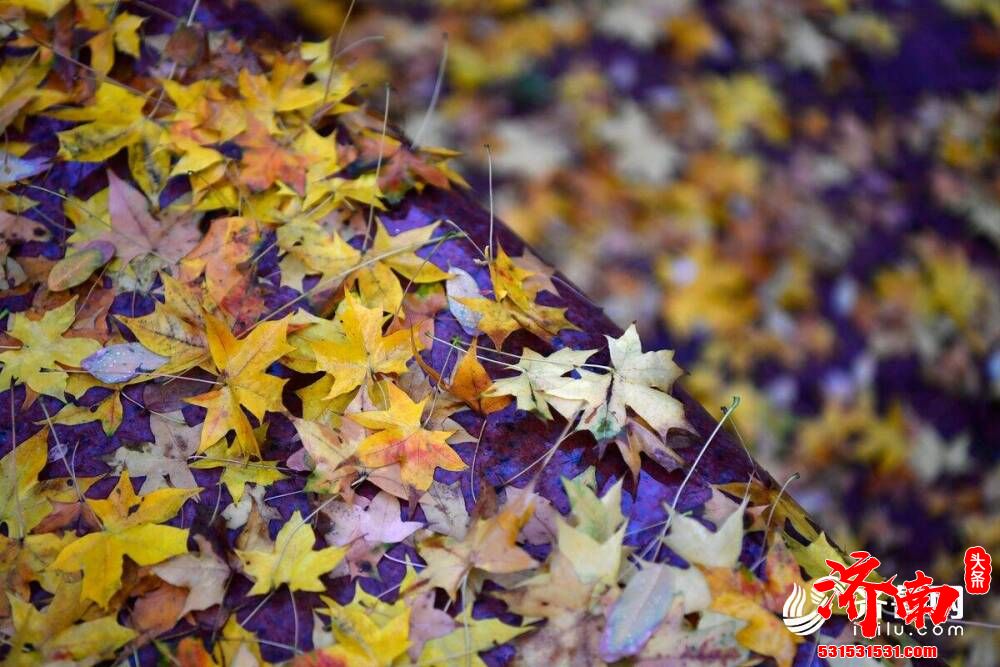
280,392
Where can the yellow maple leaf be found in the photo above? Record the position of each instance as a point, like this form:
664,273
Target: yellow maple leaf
241,364
465,642
47,7
53,636
291,560
401,438
175,328
108,411
363,352
130,529
43,348
764,633
369,632
116,120
22,502
513,306
398,252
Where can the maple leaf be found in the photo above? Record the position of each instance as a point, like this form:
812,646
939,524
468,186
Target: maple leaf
696,544
205,576
398,253
812,557
53,636
23,504
116,120
266,161
135,232
311,250
129,529
466,641
538,374
363,352
282,90
592,541
108,411
470,381
490,546
401,438
367,527
241,364
153,463
291,560
235,645
367,631
556,591
228,243
712,642
513,304
782,506
638,380
764,633
238,471
175,329
43,348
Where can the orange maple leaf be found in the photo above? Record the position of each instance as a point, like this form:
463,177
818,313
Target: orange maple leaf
401,438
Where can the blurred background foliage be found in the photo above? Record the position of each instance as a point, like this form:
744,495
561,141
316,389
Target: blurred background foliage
802,197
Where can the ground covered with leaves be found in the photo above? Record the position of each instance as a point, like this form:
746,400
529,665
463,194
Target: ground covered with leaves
276,389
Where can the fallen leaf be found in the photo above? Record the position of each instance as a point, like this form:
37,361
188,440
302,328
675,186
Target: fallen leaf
291,561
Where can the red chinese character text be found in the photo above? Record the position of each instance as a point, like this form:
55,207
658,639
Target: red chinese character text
854,577
978,569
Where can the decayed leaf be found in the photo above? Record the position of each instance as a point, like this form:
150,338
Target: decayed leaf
135,232
376,521
161,462
445,510
76,267
711,644
291,561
